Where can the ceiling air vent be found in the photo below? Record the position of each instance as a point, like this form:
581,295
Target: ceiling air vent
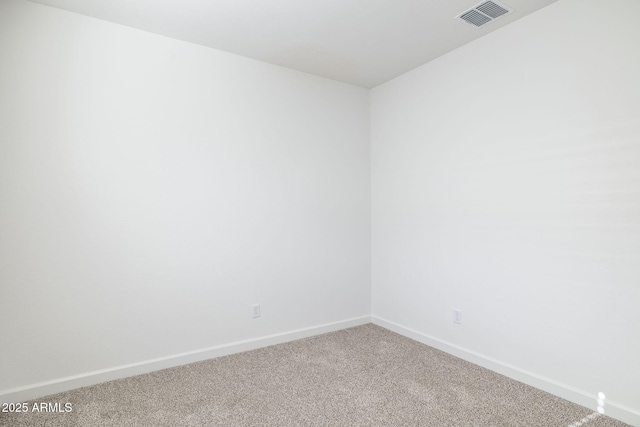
484,13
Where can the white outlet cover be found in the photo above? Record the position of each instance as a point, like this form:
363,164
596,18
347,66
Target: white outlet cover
255,310
457,316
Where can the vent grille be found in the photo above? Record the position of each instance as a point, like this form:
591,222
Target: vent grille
484,13
476,18
491,9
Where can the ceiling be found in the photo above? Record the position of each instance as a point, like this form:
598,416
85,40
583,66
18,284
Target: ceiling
361,42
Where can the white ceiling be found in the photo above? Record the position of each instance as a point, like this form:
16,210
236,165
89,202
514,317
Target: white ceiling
361,42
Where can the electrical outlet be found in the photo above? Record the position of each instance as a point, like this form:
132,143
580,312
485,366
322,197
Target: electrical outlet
457,317
255,310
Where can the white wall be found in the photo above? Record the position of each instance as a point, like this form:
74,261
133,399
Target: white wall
506,184
152,190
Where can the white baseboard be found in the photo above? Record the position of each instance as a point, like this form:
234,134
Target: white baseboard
35,391
572,394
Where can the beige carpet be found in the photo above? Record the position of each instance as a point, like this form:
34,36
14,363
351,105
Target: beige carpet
363,376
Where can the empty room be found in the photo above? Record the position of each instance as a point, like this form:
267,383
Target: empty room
322,213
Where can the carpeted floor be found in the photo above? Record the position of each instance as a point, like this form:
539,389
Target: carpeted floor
363,376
